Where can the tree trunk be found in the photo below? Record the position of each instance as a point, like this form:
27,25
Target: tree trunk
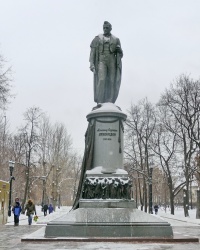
141,198
172,202
198,205
145,198
171,195
185,205
26,189
54,189
136,197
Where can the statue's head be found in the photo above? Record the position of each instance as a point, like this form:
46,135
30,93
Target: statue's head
107,27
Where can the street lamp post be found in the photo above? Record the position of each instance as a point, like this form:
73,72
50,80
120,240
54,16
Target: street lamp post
11,167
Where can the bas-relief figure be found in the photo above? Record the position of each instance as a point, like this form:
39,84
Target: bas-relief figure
103,188
105,63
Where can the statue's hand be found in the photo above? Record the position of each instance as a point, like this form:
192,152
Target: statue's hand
118,49
92,68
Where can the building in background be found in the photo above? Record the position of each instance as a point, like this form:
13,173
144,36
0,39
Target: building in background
4,197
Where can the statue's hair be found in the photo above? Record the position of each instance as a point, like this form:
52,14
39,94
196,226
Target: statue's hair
107,23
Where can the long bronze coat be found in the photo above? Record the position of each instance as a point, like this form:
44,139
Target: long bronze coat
97,47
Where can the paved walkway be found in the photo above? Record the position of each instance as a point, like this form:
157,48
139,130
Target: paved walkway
42,220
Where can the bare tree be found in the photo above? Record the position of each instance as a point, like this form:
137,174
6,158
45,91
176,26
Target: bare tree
164,144
30,136
4,153
5,83
59,155
197,175
183,102
140,125
17,153
74,168
44,143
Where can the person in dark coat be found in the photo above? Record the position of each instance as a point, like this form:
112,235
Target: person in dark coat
45,208
30,210
50,208
156,209
16,211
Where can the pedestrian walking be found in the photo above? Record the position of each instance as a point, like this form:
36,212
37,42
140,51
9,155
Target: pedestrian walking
156,209
42,206
16,200
45,208
30,210
16,211
50,209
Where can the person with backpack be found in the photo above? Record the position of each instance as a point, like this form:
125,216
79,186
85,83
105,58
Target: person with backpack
16,211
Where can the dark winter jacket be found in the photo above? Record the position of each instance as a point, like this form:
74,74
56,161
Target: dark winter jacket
45,207
30,209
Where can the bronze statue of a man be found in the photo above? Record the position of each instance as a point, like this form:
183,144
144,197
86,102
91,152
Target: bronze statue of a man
105,63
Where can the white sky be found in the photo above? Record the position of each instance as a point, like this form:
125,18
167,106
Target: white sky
47,42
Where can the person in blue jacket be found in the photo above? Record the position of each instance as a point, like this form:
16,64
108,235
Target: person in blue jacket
50,208
16,211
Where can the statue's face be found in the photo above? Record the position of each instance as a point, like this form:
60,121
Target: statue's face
107,29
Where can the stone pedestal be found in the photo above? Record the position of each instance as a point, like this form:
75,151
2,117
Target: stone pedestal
110,218
107,179
109,138
105,205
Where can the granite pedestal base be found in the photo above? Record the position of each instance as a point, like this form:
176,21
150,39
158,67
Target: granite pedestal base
111,220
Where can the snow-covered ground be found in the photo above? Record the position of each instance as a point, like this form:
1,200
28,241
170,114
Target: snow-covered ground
179,215
41,218
178,212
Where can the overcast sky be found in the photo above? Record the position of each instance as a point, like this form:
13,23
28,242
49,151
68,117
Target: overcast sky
47,42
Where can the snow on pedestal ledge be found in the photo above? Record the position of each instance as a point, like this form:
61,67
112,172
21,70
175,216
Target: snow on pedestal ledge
98,170
106,109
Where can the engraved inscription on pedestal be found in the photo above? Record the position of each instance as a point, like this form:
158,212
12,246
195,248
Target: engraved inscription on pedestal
107,134
108,144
